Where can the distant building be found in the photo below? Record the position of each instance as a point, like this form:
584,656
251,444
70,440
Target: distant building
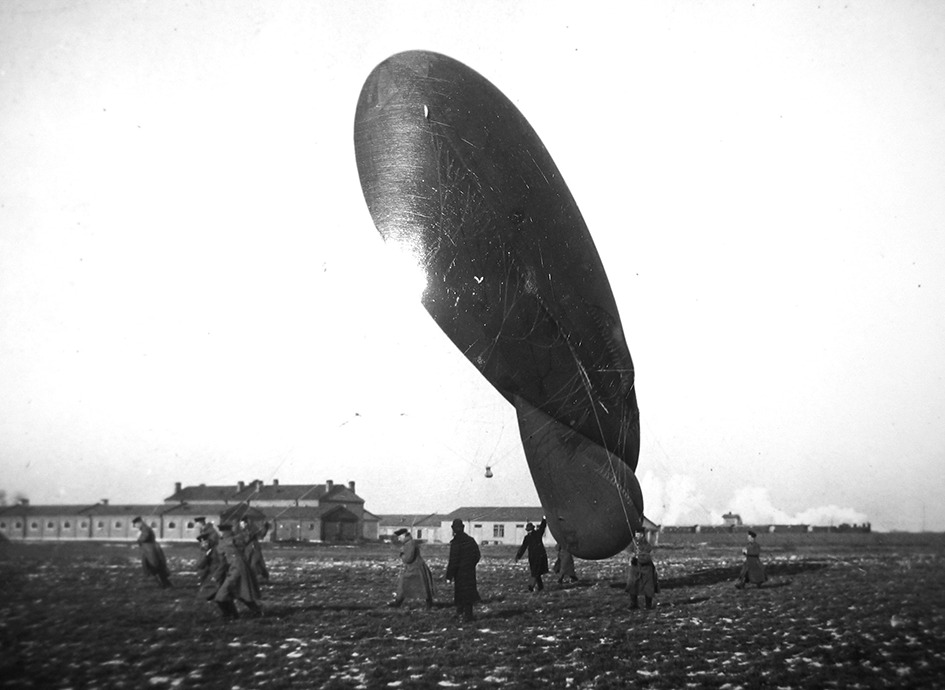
310,512
494,525
425,527
732,519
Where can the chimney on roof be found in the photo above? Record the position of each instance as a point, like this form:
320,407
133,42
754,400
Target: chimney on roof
24,501
240,485
177,487
257,484
329,484
275,482
104,501
351,486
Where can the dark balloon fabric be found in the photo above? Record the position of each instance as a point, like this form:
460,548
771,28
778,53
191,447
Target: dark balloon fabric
455,175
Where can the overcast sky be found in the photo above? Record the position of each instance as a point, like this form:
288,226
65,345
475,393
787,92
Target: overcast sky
192,289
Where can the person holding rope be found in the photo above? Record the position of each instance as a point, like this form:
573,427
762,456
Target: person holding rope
642,578
152,556
537,555
753,570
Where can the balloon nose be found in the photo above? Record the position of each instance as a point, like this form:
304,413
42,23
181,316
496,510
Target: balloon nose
592,498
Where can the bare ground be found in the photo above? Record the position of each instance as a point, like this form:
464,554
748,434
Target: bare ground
838,611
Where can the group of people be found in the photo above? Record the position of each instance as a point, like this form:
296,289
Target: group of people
232,564
229,568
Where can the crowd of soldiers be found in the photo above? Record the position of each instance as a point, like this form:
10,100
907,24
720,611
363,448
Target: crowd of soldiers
231,566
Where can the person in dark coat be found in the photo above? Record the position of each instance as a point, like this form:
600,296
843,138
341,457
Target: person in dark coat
240,583
416,580
642,579
152,556
564,564
461,570
211,574
537,556
753,570
253,534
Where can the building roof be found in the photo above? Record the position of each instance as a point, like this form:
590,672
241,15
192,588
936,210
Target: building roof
25,510
501,514
410,520
257,490
130,509
302,512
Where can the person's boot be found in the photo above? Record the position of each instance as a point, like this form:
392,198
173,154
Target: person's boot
649,602
541,585
634,603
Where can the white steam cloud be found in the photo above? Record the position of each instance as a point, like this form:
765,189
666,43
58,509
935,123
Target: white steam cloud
678,501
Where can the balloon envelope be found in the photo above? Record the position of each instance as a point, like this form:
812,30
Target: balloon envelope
453,173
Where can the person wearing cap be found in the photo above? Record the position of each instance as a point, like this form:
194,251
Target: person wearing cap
461,571
152,555
537,555
642,578
253,533
240,583
753,570
208,529
211,574
416,580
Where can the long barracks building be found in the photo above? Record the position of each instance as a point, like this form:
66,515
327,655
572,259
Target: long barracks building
327,512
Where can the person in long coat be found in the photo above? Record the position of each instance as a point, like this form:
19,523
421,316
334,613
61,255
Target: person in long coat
643,578
416,580
211,574
253,552
461,570
537,555
240,583
753,570
152,555
564,565
208,529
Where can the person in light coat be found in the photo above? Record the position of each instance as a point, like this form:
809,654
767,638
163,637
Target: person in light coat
416,580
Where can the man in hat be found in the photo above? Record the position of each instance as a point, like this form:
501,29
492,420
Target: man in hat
416,580
461,570
642,579
152,556
753,570
537,555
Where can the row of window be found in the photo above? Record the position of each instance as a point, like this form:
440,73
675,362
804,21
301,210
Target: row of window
83,524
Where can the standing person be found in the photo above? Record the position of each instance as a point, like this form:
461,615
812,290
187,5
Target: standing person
416,580
254,557
537,556
753,570
565,564
240,583
152,556
461,570
211,574
642,579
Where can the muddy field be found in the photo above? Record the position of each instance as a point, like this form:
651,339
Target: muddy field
839,611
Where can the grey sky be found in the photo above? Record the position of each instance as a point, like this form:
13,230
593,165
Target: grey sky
191,288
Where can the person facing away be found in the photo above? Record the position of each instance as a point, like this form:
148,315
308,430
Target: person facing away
753,570
642,578
240,582
152,555
253,533
461,570
565,564
416,580
537,556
